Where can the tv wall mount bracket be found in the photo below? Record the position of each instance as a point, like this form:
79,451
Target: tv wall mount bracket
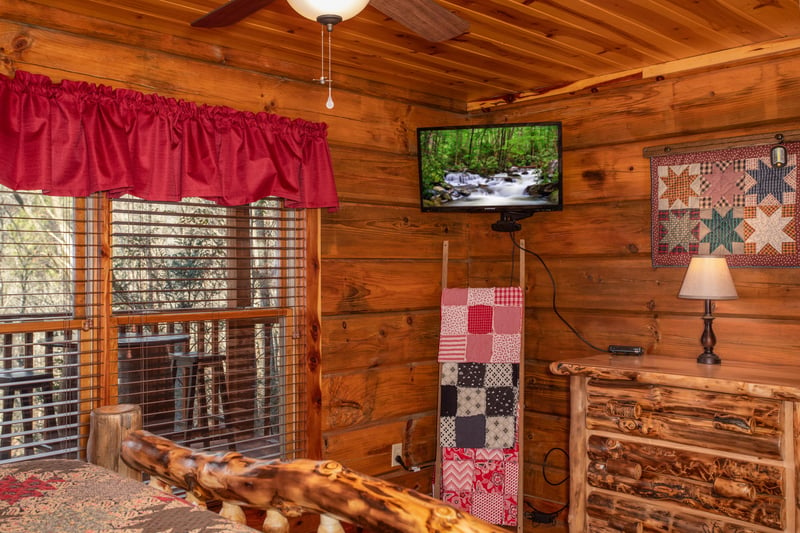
509,221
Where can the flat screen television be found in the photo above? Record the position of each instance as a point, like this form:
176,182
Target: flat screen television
511,169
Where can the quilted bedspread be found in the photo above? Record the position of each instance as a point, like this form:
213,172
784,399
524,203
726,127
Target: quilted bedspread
71,496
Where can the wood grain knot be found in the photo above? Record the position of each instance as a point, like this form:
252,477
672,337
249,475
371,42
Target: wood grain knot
623,409
444,513
21,42
625,525
330,468
735,423
627,469
627,425
728,488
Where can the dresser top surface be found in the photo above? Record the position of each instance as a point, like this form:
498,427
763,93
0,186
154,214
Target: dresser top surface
765,380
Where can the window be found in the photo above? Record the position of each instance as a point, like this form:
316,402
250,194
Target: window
195,312
235,277
48,365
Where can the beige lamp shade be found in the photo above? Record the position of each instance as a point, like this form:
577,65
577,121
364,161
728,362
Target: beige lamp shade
708,278
311,9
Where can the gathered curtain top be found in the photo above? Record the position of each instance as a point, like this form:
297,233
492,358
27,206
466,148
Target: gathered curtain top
76,138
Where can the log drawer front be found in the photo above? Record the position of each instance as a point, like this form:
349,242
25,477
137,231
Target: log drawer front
662,444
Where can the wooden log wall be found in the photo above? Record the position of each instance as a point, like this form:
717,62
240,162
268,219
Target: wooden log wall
379,378
598,248
381,257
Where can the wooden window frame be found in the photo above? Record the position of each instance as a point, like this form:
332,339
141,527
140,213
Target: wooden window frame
98,341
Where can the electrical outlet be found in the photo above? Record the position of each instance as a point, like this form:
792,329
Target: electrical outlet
397,451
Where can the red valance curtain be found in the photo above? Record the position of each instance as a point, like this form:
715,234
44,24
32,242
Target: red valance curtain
75,139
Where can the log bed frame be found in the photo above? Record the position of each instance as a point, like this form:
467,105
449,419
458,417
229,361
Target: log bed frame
289,489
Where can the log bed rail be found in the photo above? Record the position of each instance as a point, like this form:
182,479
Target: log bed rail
289,489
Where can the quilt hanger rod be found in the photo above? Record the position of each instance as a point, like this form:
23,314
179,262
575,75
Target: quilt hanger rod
720,144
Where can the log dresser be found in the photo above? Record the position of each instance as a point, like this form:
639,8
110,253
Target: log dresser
664,444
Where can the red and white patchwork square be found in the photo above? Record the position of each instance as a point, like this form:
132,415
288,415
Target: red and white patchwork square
458,454
507,320
479,348
458,476
490,476
505,348
452,348
455,296
479,319
511,484
481,297
508,296
489,507
461,500
454,320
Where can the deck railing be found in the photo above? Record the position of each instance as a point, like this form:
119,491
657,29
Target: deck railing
215,380
45,385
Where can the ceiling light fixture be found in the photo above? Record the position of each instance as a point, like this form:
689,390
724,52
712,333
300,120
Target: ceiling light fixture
328,13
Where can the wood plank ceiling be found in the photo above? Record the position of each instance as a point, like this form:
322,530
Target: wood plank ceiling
515,50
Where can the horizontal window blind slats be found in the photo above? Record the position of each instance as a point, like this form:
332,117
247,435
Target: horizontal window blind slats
229,382
228,376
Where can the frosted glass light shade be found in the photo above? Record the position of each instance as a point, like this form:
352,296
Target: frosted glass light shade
311,9
778,156
708,278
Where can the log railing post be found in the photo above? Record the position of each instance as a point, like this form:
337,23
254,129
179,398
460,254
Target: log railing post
108,427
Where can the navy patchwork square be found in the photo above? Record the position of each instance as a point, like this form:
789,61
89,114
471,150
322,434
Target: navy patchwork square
501,401
449,401
471,374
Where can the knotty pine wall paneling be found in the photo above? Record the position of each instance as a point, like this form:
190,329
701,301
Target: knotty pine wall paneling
598,248
381,257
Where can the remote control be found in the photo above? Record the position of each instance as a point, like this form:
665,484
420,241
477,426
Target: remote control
618,349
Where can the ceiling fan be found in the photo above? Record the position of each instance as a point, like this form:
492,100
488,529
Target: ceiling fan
426,18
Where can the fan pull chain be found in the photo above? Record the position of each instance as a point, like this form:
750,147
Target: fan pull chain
323,79
329,102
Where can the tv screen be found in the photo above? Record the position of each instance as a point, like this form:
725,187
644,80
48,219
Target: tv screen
505,168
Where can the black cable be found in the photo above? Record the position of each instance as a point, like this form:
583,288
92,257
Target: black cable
553,283
542,517
544,474
414,468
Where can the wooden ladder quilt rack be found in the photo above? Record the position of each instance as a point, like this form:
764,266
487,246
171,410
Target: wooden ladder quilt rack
438,484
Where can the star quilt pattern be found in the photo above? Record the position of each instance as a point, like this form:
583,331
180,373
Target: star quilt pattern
481,325
725,202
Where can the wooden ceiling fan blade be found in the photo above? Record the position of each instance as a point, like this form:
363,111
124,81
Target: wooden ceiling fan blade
426,18
230,13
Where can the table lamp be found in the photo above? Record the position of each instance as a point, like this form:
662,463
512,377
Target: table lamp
708,278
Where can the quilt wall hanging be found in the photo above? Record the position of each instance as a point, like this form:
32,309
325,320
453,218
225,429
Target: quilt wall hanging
730,202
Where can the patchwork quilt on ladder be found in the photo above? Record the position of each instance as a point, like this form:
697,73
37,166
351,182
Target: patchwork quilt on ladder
730,202
479,350
481,325
482,482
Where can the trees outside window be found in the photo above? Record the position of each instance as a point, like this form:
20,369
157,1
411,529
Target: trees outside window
192,310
